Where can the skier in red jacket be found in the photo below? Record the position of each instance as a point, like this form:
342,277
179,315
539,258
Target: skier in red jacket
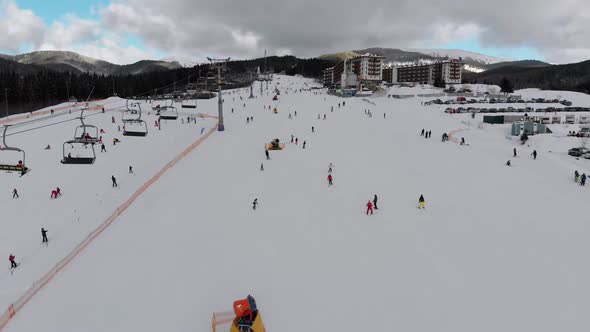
329,179
13,263
369,207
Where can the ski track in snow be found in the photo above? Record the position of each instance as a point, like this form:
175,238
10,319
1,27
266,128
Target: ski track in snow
497,248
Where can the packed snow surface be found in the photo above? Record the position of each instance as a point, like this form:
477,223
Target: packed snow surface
497,248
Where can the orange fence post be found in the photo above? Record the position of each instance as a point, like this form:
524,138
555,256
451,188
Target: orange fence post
11,311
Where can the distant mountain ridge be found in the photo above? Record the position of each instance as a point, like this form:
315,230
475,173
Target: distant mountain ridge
62,61
474,62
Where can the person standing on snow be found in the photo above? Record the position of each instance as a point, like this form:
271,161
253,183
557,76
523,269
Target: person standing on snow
261,166
462,141
131,169
583,179
375,202
12,260
267,154
114,181
329,179
312,129
330,168
254,203
514,152
421,203
369,207
422,133
535,154
296,140
576,176
44,235
15,193
304,144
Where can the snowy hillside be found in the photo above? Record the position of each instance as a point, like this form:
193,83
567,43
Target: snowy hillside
497,248
455,53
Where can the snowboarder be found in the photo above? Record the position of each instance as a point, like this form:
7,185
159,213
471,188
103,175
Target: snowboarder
114,181
369,207
462,140
15,193
296,140
292,138
583,179
312,129
261,166
113,119
329,179
103,148
375,202
304,144
535,154
267,154
254,203
576,176
421,204
131,169
44,235
514,152
13,263
422,133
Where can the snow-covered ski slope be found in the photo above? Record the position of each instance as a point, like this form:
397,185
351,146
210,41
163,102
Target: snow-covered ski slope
497,249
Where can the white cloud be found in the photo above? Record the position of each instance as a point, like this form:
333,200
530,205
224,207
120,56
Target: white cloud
244,29
19,27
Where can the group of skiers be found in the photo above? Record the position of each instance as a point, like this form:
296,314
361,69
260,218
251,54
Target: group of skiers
580,179
426,133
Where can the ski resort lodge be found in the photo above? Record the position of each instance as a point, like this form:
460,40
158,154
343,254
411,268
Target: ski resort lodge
448,71
367,69
356,72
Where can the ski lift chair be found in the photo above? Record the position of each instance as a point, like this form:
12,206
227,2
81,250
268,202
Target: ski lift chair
133,125
20,166
83,154
169,113
189,103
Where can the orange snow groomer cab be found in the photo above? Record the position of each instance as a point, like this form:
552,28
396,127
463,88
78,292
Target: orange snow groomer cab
248,319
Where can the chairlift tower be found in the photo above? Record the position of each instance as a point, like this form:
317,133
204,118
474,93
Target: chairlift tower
251,87
220,65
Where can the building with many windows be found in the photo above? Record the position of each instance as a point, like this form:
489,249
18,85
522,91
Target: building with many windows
353,72
448,71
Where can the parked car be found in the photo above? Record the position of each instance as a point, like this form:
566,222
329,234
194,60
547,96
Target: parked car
586,156
576,152
521,101
566,103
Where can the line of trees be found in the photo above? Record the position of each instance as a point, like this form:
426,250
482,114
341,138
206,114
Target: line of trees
33,87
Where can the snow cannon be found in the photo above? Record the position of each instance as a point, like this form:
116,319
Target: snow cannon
275,145
248,319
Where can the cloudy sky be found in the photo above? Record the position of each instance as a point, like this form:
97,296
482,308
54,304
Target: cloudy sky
124,31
